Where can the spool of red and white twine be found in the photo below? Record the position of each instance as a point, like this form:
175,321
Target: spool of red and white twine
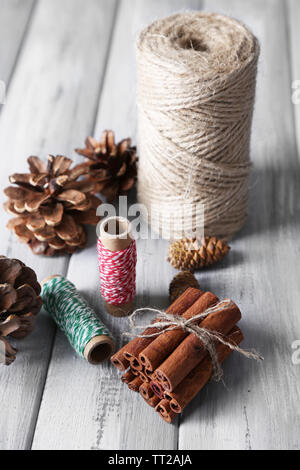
117,262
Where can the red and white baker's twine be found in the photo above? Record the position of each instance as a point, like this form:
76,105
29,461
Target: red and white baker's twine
117,273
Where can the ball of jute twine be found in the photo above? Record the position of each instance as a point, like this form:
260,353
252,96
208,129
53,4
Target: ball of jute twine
195,90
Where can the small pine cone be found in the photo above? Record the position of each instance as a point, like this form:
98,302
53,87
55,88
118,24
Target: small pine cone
111,166
20,302
192,254
180,283
51,205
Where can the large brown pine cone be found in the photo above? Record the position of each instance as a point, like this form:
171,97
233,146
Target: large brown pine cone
192,254
51,205
20,302
112,166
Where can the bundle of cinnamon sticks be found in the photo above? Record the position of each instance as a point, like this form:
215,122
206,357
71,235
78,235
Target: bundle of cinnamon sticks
169,369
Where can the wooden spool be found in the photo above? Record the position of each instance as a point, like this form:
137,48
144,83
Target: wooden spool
115,235
99,348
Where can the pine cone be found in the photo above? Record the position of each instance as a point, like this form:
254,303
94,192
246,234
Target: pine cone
7,351
51,205
20,302
180,283
112,166
192,254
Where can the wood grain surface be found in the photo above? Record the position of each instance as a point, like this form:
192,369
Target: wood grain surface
69,67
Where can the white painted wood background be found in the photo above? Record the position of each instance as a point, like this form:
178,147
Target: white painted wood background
69,67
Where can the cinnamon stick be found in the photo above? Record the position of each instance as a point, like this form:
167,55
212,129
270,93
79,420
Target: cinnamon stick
135,346
119,361
153,401
163,345
135,364
129,376
157,389
135,384
191,351
143,376
165,411
149,373
146,391
200,375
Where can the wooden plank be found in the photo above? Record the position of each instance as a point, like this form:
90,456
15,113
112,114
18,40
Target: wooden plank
14,19
50,108
108,416
259,408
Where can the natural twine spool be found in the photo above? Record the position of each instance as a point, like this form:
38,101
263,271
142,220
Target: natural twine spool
196,86
117,261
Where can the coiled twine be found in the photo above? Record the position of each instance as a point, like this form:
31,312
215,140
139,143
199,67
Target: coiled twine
195,90
117,273
85,331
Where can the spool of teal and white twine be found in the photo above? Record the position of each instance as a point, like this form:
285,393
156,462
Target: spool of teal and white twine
86,333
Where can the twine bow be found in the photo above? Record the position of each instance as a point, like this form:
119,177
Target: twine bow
168,322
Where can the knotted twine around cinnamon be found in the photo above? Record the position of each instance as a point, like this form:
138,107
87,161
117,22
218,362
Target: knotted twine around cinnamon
166,322
196,86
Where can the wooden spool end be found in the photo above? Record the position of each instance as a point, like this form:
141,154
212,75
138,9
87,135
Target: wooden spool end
115,235
119,310
98,349
50,277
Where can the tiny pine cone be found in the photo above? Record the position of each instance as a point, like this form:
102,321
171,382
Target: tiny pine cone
193,254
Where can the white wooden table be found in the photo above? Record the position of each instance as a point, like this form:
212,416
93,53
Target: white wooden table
69,66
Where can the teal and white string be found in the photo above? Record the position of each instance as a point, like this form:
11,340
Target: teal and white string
72,313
